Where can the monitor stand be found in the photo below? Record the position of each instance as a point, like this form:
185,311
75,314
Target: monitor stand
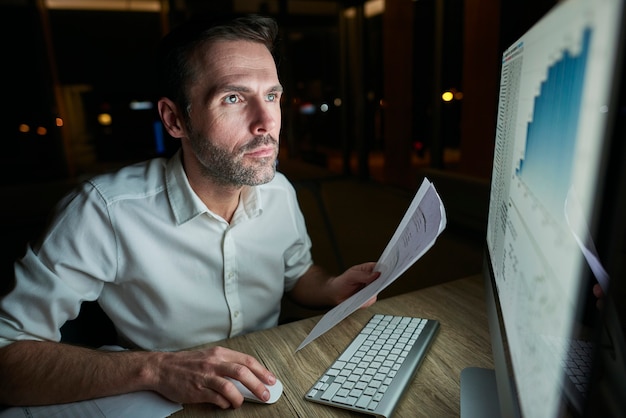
479,393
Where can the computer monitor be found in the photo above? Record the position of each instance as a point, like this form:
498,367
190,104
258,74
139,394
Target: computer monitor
556,221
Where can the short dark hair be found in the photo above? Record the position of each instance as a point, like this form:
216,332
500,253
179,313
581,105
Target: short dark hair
174,67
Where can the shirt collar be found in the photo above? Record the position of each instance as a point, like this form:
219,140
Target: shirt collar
250,204
186,205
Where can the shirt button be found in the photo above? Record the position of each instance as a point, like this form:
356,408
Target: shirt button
236,314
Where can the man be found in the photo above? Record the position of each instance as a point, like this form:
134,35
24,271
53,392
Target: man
178,253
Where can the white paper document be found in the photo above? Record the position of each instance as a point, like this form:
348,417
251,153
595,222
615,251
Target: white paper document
136,405
422,223
577,224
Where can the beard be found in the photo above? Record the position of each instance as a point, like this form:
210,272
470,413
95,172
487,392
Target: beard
230,168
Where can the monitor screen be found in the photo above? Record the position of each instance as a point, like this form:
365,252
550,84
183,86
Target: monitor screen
559,91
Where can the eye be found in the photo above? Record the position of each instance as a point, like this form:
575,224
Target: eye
273,97
231,99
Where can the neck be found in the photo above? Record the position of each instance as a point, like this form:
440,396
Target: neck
221,199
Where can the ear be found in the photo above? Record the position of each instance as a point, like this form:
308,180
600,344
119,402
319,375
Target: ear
172,120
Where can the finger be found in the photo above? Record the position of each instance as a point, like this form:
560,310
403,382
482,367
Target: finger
368,267
231,361
257,388
597,291
249,372
370,302
241,367
223,393
251,365
370,278
245,377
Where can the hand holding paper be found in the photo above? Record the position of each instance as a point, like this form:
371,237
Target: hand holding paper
422,223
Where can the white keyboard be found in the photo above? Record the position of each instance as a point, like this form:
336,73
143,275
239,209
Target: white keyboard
375,369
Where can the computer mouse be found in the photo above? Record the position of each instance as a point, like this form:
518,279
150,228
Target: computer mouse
276,390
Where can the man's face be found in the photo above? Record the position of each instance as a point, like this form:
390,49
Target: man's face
235,119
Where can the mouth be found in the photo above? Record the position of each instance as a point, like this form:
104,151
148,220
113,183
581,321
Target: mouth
262,152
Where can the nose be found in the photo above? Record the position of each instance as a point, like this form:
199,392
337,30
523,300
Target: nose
265,117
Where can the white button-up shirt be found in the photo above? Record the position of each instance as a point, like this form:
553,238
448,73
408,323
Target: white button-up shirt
167,271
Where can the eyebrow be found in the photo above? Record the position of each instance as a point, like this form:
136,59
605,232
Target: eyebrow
243,89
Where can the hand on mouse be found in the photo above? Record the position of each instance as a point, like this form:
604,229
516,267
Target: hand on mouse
201,376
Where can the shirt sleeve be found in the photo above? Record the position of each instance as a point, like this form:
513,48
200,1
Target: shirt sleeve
67,266
298,257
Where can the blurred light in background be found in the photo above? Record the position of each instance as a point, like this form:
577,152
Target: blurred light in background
112,5
370,8
141,105
373,7
452,94
105,119
307,108
159,138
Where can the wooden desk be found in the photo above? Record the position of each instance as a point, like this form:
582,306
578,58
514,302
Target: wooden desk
463,340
